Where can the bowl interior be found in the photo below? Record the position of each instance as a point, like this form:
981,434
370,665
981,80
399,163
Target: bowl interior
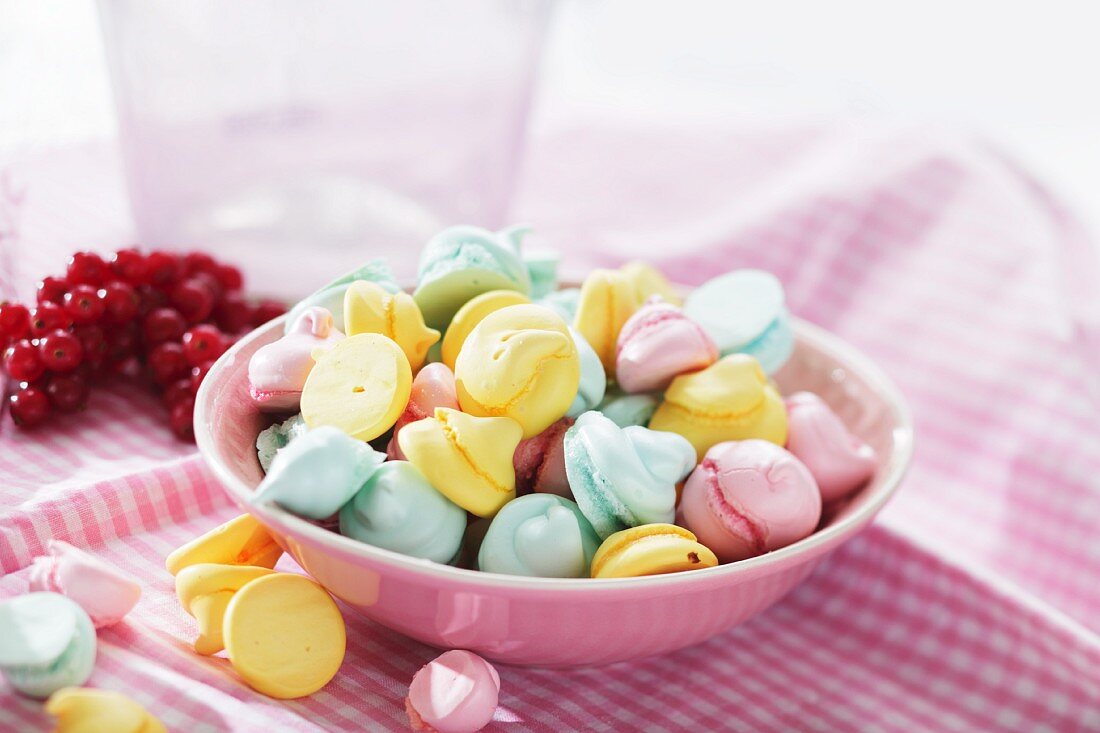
227,422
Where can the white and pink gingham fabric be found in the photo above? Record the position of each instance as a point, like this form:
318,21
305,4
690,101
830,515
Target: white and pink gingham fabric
972,604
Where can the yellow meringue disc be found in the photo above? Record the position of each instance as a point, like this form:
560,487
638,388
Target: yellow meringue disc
88,710
361,385
471,314
284,635
204,591
520,362
370,308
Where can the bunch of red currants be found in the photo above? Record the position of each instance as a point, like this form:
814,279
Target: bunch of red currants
160,314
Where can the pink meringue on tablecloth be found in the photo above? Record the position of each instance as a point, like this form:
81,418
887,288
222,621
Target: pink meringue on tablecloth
102,590
277,372
456,692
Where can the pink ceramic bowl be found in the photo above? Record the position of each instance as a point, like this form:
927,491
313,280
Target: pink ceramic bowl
547,621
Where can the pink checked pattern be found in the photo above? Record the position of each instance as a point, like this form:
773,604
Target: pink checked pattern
970,605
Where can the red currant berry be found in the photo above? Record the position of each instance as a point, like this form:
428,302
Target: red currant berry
52,290
29,407
194,299
230,277
86,268
162,269
22,363
149,299
167,363
203,343
84,304
67,392
128,367
129,265
15,320
49,317
233,314
182,419
163,324
60,351
194,262
94,343
120,302
265,311
122,342
176,391
198,374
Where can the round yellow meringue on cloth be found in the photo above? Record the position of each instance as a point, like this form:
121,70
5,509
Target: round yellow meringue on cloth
88,710
240,541
520,362
284,635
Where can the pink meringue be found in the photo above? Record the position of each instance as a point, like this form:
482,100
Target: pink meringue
102,590
277,372
839,461
659,343
749,497
432,387
456,692
539,462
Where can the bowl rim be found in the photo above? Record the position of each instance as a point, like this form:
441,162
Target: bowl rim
854,360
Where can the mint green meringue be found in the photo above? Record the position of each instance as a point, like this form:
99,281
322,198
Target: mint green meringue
542,268
318,473
593,382
276,437
539,535
397,509
624,477
628,409
462,262
331,296
47,642
563,302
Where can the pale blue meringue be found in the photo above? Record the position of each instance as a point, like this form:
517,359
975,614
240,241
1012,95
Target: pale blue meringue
331,296
624,477
462,262
629,409
542,268
271,440
539,535
318,473
397,509
47,642
744,312
593,382
563,302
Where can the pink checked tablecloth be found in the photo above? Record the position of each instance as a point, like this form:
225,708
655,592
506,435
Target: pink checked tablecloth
972,604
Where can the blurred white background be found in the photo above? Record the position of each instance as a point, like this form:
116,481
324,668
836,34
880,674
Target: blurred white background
1021,75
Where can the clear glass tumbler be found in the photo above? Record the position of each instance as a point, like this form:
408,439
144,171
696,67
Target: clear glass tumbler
298,139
